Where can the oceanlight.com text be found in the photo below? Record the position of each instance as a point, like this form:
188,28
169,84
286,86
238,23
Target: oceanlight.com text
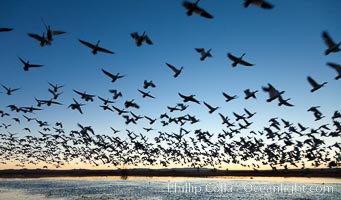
188,187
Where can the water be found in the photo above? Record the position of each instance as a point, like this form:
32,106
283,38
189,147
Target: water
105,188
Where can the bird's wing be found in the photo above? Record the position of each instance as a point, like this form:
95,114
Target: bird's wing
199,50
232,57
327,39
172,67
335,66
22,60
108,73
204,13
134,35
35,65
148,40
87,44
207,105
58,32
6,88
266,5
243,62
182,96
5,29
104,50
80,93
312,82
35,36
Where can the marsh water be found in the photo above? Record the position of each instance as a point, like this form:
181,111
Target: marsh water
103,188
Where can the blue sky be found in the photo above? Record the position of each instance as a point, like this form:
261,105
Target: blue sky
284,43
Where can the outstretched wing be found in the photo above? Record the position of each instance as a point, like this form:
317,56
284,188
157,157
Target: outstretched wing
87,44
312,82
243,62
328,40
104,50
108,73
335,66
172,67
232,57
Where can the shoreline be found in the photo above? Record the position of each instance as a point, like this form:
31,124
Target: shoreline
42,173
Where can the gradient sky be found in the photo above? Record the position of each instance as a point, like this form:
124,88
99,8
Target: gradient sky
284,43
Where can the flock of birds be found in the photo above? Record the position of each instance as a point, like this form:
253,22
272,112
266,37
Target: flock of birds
280,143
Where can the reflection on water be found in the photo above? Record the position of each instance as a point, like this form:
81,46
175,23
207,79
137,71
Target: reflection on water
169,188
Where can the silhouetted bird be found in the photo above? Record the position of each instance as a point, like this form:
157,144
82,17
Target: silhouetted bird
273,92
9,91
284,102
95,48
194,8
76,106
139,39
211,109
332,46
260,3
314,84
85,96
175,70
146,94
239,60
249,93
228,97
204,54
113,77
27,64
189,98
42,39
147,84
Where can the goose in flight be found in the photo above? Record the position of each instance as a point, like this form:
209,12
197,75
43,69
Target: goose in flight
9,91
238,60
147,84
27,64
146,94
51,33
228,97
259,3
105,101
332,46
116,94
119,111
284,102
273,92
76,106
189,98
42,39
239,117
55,87
249,94
194,8
6,29
204,54
113,77
131,103
314,84
85,96
55,94
139,39
249,113
95,48
211,109
175,70
337,68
